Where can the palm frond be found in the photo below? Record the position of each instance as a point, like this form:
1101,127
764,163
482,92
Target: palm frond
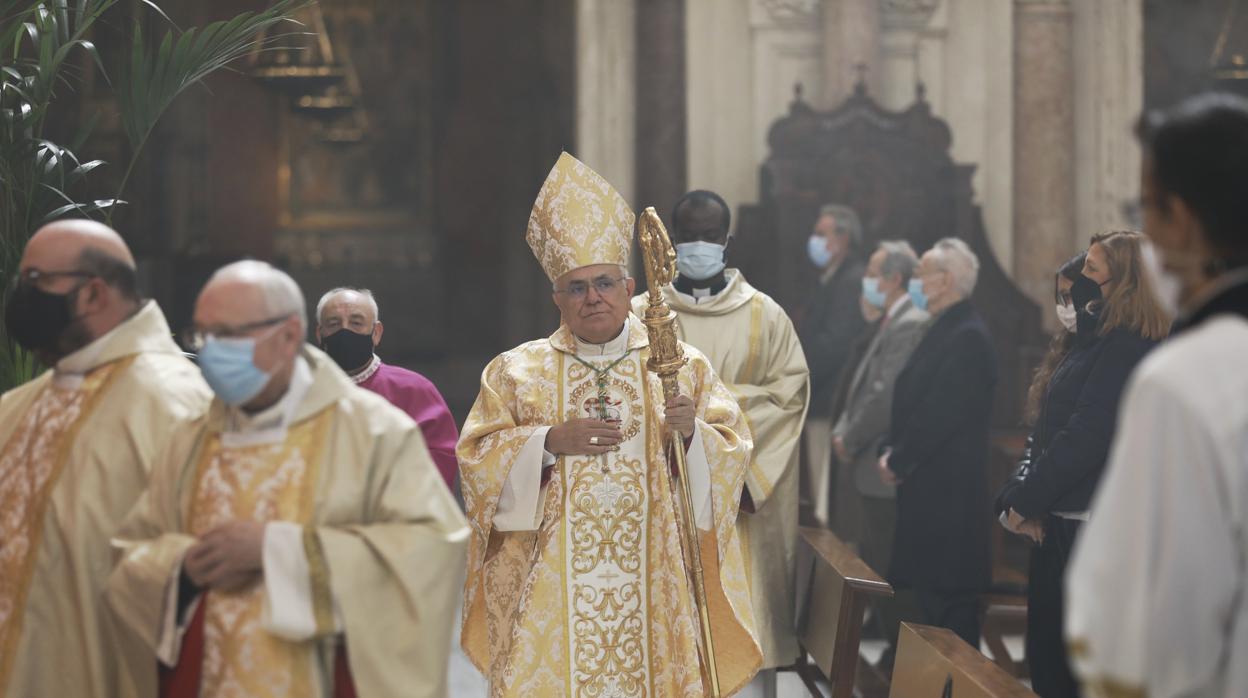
158,75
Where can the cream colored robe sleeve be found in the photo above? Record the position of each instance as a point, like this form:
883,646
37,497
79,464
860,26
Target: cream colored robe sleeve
396,576
520,502
775,405
150,545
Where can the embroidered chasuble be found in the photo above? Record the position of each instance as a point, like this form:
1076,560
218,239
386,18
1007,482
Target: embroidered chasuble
363,551
576,585
751,344
257,483
78,443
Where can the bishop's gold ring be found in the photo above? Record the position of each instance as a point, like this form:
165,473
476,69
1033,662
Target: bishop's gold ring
593,441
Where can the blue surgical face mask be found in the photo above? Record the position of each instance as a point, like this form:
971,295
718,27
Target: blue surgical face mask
699,260
229,367
917,296
871,292
817,250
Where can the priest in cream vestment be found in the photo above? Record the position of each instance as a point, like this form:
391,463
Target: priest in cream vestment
576,585
754,349
298,539
76,446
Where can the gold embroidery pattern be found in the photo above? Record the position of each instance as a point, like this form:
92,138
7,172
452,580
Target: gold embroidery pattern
620,403
606,510
257,483
30,466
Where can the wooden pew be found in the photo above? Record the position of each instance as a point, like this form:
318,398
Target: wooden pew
930,660
841,586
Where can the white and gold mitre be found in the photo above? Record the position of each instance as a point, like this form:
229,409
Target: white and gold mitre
578,220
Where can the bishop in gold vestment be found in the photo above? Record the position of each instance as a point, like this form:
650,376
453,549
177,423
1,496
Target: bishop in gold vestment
76,446
576,584
297,540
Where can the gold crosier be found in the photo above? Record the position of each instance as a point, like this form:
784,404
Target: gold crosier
666,360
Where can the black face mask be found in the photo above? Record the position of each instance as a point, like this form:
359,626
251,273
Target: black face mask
350,350
1084,291
1085,295
38,320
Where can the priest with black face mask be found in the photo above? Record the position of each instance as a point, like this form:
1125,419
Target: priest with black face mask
77,444
349,330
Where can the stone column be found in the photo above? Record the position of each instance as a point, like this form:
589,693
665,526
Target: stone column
902,23
606,55
1109,95
661,132
851,34
1044,144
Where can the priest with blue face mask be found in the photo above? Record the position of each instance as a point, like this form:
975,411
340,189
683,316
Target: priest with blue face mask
753,347
298,536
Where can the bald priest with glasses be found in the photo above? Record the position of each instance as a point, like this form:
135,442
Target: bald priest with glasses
297,540
576,584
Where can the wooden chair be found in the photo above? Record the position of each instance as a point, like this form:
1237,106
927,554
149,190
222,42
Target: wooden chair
840,587
935,662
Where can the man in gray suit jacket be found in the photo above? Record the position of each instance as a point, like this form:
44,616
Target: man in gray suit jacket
864,423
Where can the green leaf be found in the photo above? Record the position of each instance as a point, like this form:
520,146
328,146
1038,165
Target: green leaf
158,76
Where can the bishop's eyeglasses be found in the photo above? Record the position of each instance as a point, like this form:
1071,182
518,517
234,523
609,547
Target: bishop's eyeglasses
579,289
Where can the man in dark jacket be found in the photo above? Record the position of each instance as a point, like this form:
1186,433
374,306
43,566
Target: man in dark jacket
829,327
937,450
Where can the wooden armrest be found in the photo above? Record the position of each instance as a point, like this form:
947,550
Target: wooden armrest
927,657
837,555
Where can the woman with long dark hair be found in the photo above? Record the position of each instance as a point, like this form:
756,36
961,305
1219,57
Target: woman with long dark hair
1074,400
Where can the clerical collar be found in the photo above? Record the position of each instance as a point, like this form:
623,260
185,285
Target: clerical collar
70,370
368,371
269,425
619,345
706,287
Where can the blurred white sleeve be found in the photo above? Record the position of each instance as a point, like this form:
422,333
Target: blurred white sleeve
520,503
1153,577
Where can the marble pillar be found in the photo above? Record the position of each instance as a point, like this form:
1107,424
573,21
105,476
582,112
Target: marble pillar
902,22
851,34
1109,96
966,60
742,58
1044,144
661,132
606,59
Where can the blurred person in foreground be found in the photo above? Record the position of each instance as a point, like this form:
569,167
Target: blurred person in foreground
1158,589
77,445
297,539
